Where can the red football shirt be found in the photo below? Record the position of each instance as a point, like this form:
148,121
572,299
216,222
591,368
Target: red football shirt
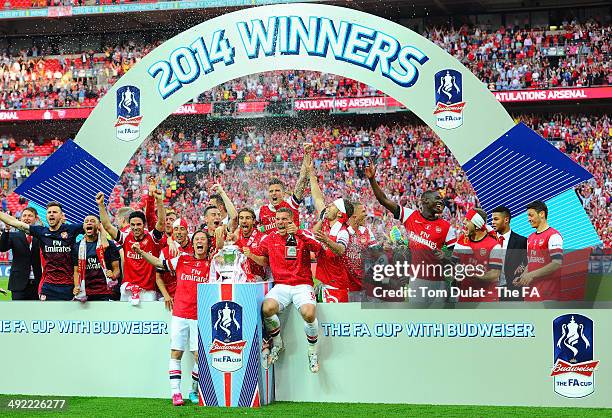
359,241
189,272
486,253
542,248
330,268
169,277
289,272
425,236
266,215
136,270
252,242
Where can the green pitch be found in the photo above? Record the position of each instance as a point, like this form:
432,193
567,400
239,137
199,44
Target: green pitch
114,407
4,285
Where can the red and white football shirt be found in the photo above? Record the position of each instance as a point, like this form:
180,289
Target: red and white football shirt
290,272
251,242
266,215
486,253
359,241
136,270
424,236
542,248
189,272
169,277
331,270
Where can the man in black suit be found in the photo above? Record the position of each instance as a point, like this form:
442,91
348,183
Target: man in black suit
515,250
26,269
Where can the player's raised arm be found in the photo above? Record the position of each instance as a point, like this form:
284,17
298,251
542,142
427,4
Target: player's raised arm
229,205
300,185
14,222
149,258
105,219
370,173
161,211
315,190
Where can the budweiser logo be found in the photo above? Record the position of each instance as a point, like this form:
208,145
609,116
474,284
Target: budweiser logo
455,108
586,368
128,121
235,347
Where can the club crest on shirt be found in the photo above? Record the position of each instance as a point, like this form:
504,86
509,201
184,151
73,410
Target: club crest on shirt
438,230
64,235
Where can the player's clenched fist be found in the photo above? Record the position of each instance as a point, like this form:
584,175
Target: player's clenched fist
370,170
136,248
100,199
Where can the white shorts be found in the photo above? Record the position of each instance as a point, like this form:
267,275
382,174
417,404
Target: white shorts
183,334
285,295
145,295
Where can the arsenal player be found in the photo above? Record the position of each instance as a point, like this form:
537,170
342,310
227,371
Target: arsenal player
331,230
544,257
223,203
287,251
266,215
151,215
190,269
214,229
478,248
247,238
427,233
166,280
56,243
138,275
360,239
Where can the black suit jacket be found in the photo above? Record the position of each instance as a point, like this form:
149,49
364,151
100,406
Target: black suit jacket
24,259
516,254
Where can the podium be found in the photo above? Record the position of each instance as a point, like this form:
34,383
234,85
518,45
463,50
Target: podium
231,371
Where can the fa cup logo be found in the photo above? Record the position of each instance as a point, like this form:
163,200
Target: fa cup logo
227,343
573,356
225,318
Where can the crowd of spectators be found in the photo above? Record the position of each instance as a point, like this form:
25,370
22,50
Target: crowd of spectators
410,158
576,54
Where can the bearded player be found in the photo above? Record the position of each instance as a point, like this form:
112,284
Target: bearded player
477,247
247,238
427,233
290,265
190,269
266,215
544,257
166,280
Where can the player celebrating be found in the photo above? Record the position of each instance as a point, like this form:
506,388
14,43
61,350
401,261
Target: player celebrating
96,264
214,229
190,270
247,238
266,215
287,251
544,257
166,280
56,243
476,247
360,239
427,232
138,275
331,231
223,203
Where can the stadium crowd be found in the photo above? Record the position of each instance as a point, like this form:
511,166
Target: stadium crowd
577,54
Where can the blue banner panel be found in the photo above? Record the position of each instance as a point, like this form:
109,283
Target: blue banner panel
72,177
566,215
520,167
230,348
